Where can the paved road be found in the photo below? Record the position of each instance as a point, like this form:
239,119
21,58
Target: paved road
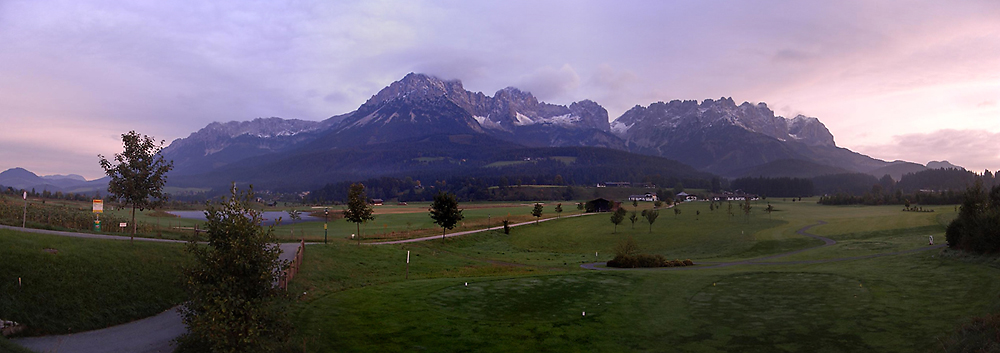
471,231
760,260
149,335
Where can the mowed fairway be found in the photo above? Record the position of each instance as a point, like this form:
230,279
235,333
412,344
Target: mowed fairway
526,291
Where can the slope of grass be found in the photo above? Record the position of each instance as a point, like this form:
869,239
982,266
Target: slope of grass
72,285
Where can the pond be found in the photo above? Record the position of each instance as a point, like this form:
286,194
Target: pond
269,217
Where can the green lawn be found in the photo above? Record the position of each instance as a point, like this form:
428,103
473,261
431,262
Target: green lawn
73,284
416,222
526,292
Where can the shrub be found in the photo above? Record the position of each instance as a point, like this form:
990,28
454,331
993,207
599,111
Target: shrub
646,261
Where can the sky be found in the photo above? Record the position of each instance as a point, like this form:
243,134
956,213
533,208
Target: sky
909,80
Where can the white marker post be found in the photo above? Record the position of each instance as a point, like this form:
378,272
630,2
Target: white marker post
407,265
24,220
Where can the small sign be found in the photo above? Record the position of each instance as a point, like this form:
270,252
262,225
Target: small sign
324,226
122,225
98,206
25,195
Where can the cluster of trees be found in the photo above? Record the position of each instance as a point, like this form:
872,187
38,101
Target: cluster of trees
876,197
977,228
45,194
491,188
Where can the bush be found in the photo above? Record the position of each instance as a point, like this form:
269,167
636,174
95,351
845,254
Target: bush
646,261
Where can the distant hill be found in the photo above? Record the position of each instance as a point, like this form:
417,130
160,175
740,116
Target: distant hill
942,165
897,169
20,178
794,168
441,157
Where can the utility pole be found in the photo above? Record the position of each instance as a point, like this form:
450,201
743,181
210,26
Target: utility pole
326,219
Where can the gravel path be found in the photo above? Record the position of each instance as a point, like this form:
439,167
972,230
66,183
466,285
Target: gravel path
599,266
149,335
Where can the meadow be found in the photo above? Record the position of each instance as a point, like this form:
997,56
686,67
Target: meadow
527,292
57,285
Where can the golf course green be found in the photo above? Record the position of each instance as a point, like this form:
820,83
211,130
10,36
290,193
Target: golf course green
880,287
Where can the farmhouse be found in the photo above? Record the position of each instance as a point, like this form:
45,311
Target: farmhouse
683,196
377,202
600,205
648,197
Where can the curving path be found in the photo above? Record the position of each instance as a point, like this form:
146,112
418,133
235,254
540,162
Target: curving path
472,231
150,335
761,260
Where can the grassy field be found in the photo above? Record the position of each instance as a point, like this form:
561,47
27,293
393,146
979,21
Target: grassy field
526,292
72,285
412,220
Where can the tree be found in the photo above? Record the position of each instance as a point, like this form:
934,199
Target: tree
444,211
679,188
635,203
677,211
559,210
769,209
537,212
294,215
633,217
233,303
138,174
618,217
746,208
358,210
651,217
579,205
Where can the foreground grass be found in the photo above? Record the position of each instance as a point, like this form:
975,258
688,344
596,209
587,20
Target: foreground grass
525,291
72,285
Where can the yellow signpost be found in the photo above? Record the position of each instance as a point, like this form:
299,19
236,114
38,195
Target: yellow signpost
98,209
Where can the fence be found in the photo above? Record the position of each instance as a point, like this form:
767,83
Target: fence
293,267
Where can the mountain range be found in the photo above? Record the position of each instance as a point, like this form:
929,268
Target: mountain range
422,125
715,136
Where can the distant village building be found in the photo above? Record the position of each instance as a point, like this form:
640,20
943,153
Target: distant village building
614,184
683,196
737,195
648,197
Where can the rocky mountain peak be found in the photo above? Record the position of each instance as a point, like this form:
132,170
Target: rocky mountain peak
417,86
686,115
810,131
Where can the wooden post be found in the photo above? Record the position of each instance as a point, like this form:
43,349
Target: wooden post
407,265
